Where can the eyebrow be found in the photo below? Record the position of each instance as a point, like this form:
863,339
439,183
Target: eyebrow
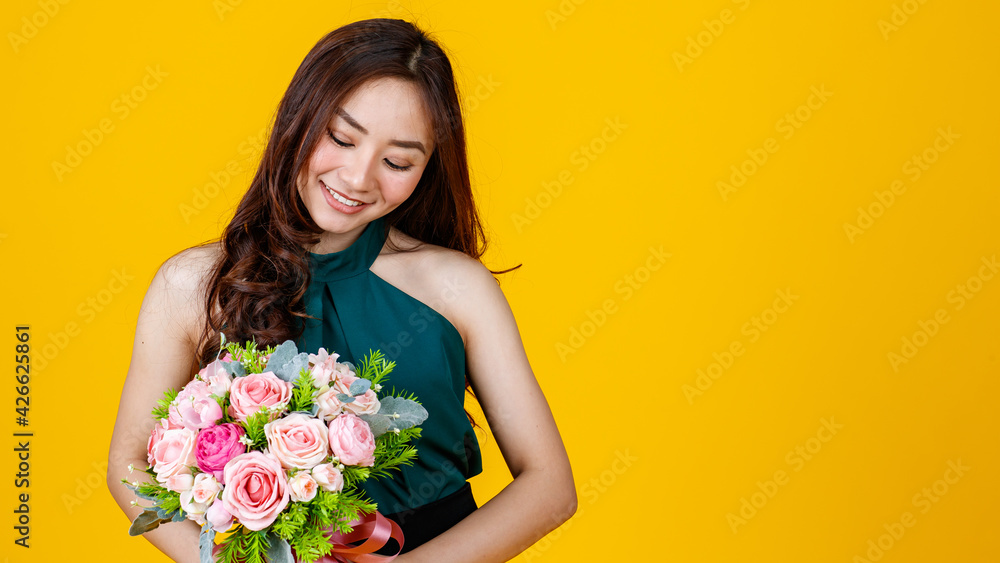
394,142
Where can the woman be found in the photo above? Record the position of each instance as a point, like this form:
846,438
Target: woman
359,232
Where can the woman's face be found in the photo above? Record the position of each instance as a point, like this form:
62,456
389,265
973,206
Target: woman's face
368,161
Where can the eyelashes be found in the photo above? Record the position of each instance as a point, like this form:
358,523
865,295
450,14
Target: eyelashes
388,162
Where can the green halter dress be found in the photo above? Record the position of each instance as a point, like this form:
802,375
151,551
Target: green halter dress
356,312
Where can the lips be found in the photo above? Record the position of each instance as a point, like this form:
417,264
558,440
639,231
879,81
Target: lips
341,197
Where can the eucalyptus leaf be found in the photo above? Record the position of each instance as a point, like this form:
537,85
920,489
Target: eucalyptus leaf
234,369
281,356
345,398
205,543
148,520
314,410
379,423
360,385
410,413
138,494
179,516
278,550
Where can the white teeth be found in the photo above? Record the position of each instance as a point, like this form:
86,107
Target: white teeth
342,199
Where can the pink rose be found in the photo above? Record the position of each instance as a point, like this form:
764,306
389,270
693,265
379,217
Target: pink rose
195,408
205,488
173,453
180,482
352,441
247,394
256,489
298,440
323,367
329,477
156,434
302,487
366,403
217,378
217,445
218,517
329,406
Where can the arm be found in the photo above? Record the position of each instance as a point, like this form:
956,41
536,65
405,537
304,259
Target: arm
542,495
162,357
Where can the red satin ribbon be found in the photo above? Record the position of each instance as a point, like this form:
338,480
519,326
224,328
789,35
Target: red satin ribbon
375,531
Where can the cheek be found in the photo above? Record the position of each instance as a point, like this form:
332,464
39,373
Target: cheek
399,190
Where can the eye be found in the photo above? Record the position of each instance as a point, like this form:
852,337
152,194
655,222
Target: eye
396,166
336,140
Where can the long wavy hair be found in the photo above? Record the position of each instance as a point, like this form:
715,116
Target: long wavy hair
256,289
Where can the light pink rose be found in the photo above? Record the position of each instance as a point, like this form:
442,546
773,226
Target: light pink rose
366,403
205,487
195,510
329,477
156,434
323,367
247,394
180,482
256,489
218,517
173,453
298,440
195,408
329,406
302,487
217,378
352,441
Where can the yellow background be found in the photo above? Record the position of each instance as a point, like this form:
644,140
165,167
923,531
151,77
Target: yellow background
542,81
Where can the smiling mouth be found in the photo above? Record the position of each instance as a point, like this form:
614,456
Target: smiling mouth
342,199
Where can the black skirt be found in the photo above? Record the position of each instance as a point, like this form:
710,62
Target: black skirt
424,523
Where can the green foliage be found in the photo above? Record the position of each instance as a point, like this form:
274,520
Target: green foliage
163,405
304,393
393,450
248,354
254,426
305,525
374,367
244,546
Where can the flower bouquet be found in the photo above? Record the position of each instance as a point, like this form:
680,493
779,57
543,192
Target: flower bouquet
270,447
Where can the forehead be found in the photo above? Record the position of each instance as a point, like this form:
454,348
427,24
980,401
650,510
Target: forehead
388,106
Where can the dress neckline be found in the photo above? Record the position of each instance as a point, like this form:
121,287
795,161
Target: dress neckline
353,260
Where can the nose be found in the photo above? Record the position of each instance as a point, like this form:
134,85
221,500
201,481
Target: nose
356,173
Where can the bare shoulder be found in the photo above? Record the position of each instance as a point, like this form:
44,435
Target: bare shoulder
189,269
176,295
